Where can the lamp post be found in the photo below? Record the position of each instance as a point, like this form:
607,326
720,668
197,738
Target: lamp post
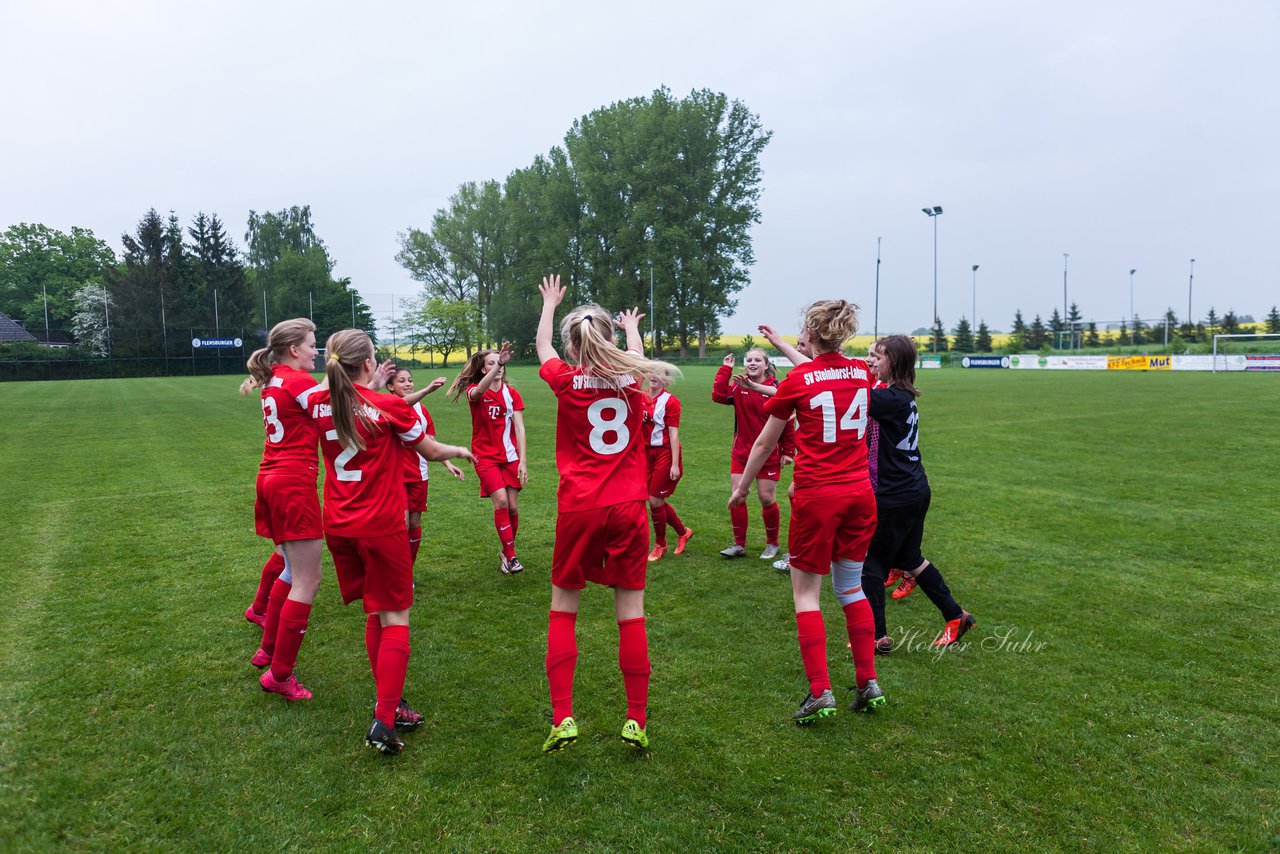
1191,277
875,330
1064,291
653,340
933,213
1131,272
974,307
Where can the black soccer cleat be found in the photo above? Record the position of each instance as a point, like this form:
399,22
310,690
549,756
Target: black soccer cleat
383,738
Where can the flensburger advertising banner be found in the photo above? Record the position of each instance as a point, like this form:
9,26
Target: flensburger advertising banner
985,362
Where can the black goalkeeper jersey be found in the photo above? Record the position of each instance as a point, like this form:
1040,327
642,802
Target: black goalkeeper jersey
901,473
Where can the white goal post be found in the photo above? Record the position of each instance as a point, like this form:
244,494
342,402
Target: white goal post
1238,335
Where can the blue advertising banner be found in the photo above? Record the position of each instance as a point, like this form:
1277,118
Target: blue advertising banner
217,342
985,362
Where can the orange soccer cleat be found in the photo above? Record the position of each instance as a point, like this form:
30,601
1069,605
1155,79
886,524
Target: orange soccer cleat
955,629
904,589
895,575
657,553
683,540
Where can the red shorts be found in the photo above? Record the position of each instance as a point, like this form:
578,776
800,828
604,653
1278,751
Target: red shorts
608,545
660,483
494,476
287,507
771,470
830,523
378,570
416,490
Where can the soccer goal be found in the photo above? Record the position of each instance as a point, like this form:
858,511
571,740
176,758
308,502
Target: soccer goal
1269,361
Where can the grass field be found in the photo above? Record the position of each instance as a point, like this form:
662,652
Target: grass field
1117,530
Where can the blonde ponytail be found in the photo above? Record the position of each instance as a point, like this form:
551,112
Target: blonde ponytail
285,334
588,330
346,353
831,322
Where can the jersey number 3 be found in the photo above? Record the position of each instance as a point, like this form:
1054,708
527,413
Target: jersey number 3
854,418
271,418
608,415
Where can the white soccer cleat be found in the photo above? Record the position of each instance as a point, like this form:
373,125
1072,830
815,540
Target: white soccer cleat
769,553
734,550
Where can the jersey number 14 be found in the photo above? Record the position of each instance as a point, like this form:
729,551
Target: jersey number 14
854,418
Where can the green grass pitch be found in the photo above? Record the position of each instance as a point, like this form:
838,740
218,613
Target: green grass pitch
1121,529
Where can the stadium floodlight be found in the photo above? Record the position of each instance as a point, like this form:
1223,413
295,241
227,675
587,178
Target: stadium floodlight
974,308
933,214
1191,277
1131,272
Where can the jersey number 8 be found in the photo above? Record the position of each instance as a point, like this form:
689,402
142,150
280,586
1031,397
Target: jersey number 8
608,415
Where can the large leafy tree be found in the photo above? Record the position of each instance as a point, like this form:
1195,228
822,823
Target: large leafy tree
36,260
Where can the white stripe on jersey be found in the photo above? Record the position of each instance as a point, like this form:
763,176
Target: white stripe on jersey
413,435
422,461
508,429
302,398
275,382
659,418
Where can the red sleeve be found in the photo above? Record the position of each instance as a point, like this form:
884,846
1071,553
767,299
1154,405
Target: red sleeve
557,374
516,400
401,419
720,390
673,412
783,405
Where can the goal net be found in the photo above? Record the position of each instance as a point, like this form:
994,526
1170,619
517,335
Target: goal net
1245,357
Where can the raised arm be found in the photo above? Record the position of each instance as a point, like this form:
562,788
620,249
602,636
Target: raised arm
761,388
418,395
720,391
552,295
629,322
782,345
487,381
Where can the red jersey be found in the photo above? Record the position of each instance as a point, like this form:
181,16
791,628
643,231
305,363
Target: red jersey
830,397
364,490
599,442
415,465
493,424
748,413
291,435
660,413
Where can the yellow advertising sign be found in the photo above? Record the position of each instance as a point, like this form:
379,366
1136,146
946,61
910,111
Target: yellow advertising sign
1139,363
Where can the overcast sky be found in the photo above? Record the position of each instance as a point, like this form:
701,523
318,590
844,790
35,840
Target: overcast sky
1129,134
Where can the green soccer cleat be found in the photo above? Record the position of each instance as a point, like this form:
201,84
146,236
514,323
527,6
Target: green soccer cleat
868,698
633,735
812,708
563,735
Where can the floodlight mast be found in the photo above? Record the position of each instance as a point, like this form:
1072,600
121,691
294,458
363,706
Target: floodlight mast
933,214
974,308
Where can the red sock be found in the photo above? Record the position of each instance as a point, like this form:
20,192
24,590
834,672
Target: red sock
772,521
813,650
633,661
861,624
393,664
502,522
562,656
279,593
270,572
738,516
674,521
659,515
372,640
415,540
293,627
515,524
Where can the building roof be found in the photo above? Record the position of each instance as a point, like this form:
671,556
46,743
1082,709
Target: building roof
11,331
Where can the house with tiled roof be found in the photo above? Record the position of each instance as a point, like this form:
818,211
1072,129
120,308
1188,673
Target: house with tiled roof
11,332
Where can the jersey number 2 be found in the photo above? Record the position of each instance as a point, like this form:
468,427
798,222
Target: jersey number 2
854,418
340,470
608,415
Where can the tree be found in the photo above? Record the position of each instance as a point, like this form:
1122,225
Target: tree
964,337
440,325
984,338
1230,323
1056,326
1073,323
1091,335
1123,337
1273,322
91,321
1018,339
1211,322
1037,336
1137,331
938,337
289,263
145,283
215,269
36,260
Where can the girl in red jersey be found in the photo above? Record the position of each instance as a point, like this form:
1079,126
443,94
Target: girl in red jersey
361,433
747,394
415,466
665,459
834,512
286,509
498,442
602,533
